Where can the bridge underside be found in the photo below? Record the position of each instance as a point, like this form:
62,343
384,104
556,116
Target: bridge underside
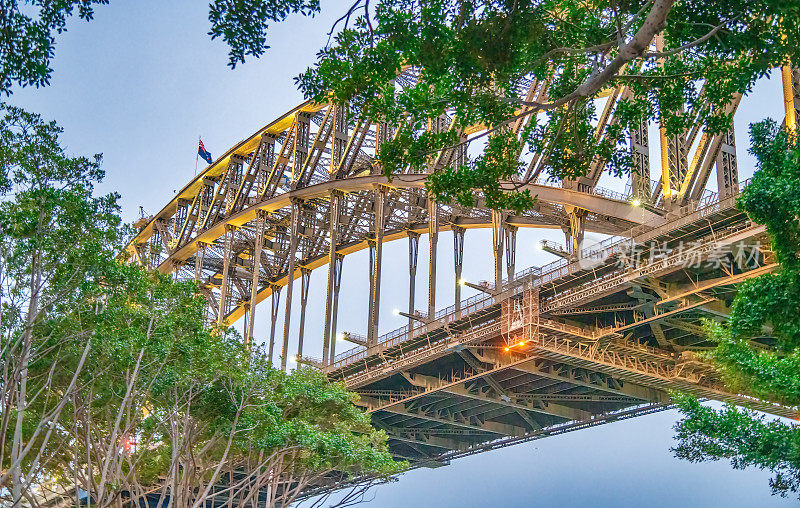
604,340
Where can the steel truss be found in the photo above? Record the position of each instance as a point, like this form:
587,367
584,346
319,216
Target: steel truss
588,339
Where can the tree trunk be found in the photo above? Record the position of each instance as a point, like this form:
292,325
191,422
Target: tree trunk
17,487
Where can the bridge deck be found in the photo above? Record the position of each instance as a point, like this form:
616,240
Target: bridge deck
612,336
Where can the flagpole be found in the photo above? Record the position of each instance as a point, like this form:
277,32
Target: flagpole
197,155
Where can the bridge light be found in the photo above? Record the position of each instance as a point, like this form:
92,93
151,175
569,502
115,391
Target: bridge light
636,202
462,282
340,337
540,246
505,349
396,312
292,359
522,343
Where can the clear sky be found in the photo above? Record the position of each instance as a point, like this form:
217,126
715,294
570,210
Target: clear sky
143,81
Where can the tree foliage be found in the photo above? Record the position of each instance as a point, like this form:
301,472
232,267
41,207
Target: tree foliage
29,28
243,24
113,382
768,305
27,45
56,240
169,409
744,438
474,57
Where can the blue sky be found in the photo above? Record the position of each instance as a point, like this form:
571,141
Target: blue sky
143,81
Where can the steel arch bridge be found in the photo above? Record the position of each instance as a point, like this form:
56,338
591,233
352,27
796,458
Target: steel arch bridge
600,335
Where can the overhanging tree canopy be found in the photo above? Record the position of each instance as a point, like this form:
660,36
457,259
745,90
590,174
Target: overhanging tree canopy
670,58
768,305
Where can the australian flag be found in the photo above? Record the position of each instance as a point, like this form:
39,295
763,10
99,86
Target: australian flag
205,154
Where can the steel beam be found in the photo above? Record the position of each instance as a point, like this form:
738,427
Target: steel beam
379,220
521,411
305,279
522,404
640,150
254,281
198,263
790,77
334,214
294,237
276,300
339,139
574,234
337,284
473,423
727,170
226,269
300,148
433,238
511,250
497,248
416,436
573,375
413,256
458,262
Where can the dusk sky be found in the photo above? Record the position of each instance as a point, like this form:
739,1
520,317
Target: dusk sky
143,80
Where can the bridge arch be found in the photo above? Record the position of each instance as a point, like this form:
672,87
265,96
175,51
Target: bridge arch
312,152
260,216
594,345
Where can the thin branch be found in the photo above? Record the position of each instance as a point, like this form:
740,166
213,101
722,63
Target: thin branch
690,45
345,18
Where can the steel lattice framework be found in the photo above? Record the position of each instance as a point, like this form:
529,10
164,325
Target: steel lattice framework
539,352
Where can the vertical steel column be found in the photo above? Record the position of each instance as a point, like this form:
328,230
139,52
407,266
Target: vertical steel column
676,165
198,261
574,236
674,162
333,239
640,150
246,322
294,232
458,261
276,301
372,290
497,248
413,256
226,266
727,170
511,250
379,219
337,283
305,278
382,134
790,78
371,282
339,139
256,267
433,238
301,138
